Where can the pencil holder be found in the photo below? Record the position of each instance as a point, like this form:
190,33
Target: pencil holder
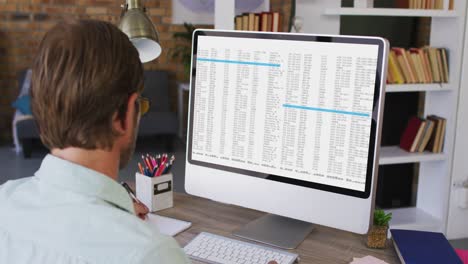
155,192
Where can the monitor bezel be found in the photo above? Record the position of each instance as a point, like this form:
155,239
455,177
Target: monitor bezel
374,137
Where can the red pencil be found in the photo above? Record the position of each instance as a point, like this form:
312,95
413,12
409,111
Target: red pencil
161,169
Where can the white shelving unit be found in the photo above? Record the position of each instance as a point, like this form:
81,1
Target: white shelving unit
420,87
435,170
396,155
415,218
349,11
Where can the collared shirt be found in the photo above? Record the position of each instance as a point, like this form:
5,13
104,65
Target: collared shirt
67,213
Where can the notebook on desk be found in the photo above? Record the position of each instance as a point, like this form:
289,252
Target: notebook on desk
166,225
415,247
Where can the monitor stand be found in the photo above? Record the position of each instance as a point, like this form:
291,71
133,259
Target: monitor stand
275,230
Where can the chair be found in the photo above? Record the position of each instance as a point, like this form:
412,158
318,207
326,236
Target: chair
159,121
25,130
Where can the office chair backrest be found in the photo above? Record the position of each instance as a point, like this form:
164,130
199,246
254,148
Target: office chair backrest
157,90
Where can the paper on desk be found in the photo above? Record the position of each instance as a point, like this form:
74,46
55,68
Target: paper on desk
166,225
367,260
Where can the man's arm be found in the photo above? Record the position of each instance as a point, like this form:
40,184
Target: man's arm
166,251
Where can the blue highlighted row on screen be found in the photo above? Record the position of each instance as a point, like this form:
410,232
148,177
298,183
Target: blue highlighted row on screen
240,62
325,110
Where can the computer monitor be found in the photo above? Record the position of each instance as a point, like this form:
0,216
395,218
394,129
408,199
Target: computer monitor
287,124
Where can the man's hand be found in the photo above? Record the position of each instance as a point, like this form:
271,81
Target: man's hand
140,210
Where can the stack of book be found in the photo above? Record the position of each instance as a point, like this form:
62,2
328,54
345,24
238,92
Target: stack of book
423,4
424,134
418,65
265,21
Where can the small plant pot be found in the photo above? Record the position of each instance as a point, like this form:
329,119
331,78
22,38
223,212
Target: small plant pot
377,237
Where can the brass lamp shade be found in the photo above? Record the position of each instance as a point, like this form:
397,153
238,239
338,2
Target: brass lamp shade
140,30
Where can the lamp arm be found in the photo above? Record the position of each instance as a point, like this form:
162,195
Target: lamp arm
134,4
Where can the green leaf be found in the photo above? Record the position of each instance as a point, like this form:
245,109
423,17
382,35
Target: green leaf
381,218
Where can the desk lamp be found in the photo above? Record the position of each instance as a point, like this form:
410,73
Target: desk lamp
140,30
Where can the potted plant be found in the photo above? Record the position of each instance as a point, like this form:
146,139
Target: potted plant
184,51
377,237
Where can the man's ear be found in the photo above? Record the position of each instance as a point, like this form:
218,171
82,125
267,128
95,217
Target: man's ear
125,122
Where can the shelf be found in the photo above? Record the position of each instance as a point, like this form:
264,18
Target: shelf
419,87
395,155
414,219
351,11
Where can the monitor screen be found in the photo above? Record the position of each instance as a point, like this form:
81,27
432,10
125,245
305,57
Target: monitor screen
297,109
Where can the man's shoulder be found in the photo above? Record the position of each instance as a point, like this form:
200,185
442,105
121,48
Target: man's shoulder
8,188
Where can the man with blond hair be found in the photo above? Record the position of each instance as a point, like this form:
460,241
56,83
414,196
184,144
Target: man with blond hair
85,96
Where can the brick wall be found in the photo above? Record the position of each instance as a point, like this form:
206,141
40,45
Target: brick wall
24,22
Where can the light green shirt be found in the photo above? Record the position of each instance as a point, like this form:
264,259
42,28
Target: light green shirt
67,213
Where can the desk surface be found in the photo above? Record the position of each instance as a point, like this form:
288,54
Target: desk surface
323,245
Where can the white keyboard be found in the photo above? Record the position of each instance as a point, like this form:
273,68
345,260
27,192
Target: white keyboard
216,249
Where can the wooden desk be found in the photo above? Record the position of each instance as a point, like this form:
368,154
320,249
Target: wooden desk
323,245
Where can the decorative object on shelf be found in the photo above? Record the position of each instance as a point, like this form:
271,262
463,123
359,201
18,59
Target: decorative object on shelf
184,51
363,3
140,30
298,23
377,236
201,12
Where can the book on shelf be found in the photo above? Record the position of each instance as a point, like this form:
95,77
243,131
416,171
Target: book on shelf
238,23
265,21
245,22
251,18
394,70
424,134
418,65
422,4
437,140
276,23
411,132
